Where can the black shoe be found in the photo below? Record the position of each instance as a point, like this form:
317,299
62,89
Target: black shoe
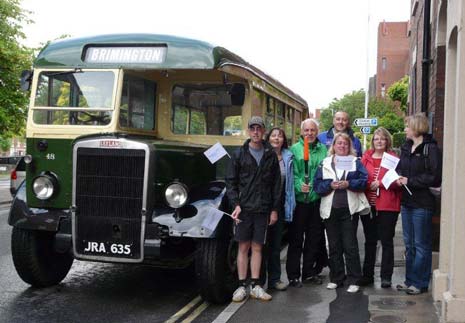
295,283
315,280
365,281
385,283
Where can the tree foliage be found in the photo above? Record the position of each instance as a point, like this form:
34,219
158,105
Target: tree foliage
14,58
398,91
388,113
353,103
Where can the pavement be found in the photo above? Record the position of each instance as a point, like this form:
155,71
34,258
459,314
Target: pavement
315,304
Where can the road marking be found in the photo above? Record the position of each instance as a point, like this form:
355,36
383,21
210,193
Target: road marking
184,310
233,307
228,312
196,313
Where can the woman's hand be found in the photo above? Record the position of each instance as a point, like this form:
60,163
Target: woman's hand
339,185
374,185
402,181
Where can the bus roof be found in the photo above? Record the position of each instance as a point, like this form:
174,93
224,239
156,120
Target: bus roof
181,53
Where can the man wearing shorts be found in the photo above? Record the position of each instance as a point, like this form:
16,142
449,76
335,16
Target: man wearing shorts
253,188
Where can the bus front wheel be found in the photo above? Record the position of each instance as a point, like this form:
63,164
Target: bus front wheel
215,277
35,259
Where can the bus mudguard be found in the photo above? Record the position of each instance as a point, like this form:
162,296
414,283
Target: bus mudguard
23,217
196,226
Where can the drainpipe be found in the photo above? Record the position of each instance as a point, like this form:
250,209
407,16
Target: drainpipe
426,61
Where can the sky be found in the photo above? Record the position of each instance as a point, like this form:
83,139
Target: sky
316,48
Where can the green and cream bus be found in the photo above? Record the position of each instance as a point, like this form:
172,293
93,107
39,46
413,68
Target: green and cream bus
116,172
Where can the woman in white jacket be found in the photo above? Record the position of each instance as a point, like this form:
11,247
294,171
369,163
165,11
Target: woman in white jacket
342,195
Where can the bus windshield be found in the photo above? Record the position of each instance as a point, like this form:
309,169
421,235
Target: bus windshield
74,98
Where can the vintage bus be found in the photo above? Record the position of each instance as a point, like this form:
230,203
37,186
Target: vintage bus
116,171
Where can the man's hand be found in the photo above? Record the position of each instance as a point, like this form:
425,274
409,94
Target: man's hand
305,188
273,217
235,214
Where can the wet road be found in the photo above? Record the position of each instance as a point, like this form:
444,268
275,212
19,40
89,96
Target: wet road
96,292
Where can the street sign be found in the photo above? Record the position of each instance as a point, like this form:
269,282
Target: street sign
366,122
365,130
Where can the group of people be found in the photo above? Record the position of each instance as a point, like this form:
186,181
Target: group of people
315,187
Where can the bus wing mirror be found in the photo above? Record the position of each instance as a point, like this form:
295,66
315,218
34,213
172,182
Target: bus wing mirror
26,80
237,93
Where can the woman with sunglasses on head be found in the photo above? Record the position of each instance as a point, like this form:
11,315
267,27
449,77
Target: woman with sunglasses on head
380,224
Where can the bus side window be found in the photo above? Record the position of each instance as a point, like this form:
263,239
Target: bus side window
207,109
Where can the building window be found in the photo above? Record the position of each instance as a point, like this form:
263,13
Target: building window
383,90
384,63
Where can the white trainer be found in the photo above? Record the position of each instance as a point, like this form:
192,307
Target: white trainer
353,289
331,286
259,293
239,294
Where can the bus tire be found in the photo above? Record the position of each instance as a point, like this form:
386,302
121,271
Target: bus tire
214,276
35,260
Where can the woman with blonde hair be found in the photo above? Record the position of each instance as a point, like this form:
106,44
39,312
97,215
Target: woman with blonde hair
420,168
340,181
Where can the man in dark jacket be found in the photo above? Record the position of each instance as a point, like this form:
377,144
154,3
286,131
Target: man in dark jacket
253,189
341,123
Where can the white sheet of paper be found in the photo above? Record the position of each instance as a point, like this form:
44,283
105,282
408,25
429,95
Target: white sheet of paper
212,219
215,153
345,163
390,176
389,162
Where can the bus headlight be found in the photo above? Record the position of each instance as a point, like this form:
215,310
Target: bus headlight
44,186
176,195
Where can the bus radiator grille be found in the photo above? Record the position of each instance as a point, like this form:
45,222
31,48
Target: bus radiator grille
109,192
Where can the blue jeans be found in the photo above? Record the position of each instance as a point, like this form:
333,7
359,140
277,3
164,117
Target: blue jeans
416,226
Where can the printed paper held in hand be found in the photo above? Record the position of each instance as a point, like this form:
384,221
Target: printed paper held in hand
215,153
389,162
212,218
345,163
388,178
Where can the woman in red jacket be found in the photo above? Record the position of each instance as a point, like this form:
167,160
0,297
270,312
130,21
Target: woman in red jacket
385,207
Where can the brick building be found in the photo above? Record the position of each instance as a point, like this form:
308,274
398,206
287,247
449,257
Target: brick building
427,66
392,56
448,40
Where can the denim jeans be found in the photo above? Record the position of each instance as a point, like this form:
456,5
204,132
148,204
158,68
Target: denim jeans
416,226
